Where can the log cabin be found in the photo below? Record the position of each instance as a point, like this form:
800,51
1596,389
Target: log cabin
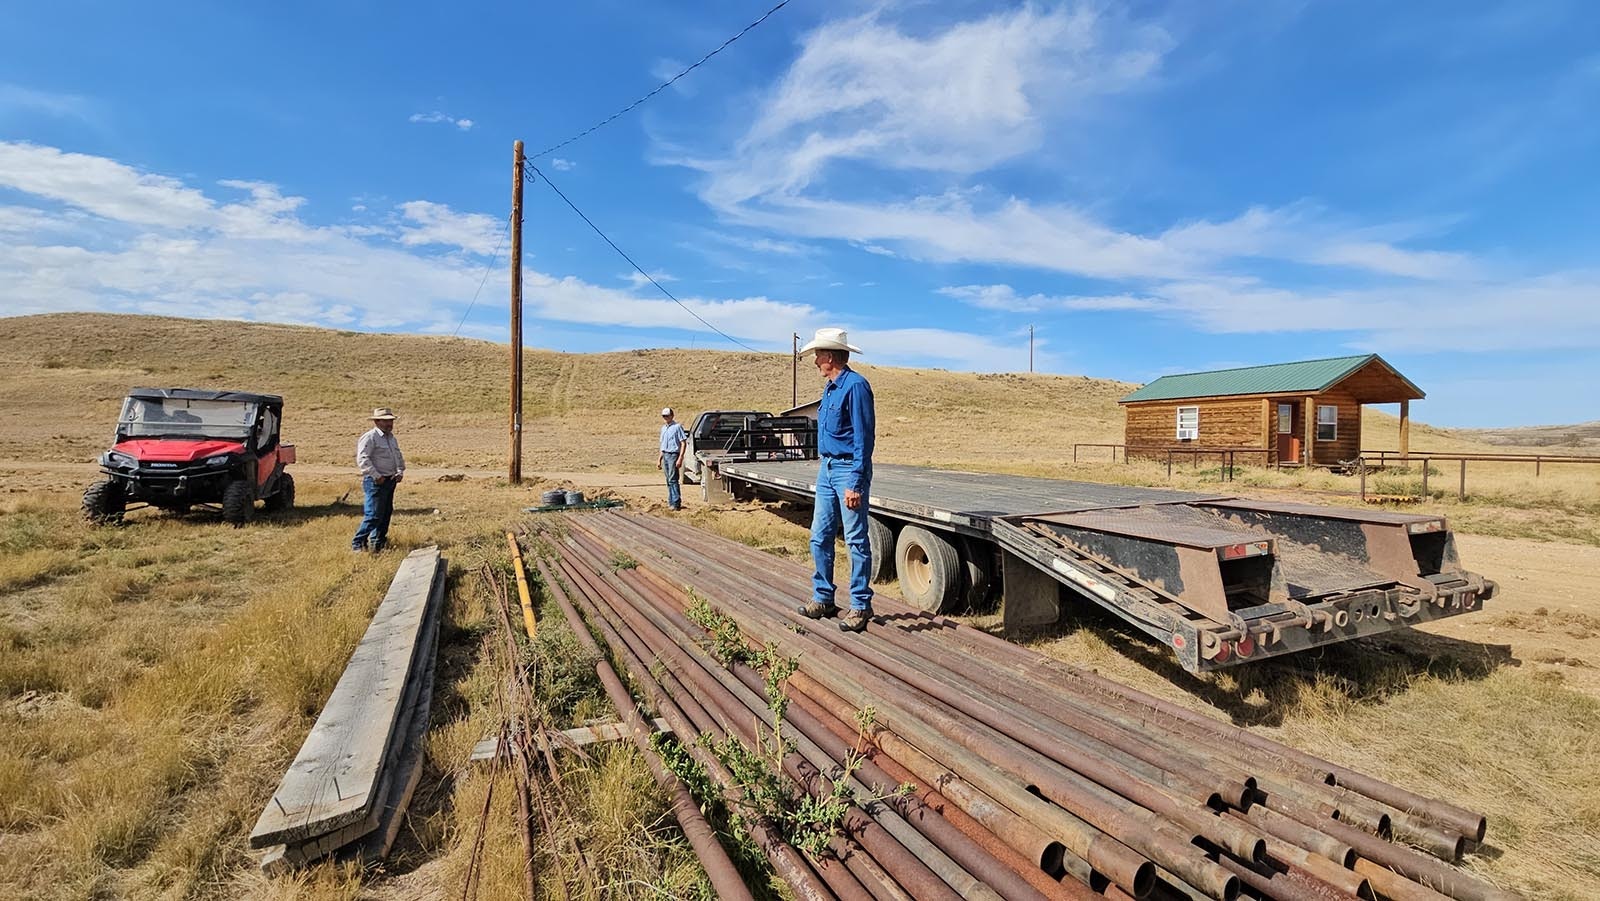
1306,413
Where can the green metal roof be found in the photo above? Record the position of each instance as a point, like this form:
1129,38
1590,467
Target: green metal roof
1309,377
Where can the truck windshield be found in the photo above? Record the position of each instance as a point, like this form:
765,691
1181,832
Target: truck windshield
172,417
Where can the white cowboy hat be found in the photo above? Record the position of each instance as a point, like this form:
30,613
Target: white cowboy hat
829,339
382,413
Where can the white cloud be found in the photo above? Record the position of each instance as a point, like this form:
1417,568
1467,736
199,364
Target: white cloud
958,100
949,349
436,118
1004,298
96,234
638,279
561,165
434,223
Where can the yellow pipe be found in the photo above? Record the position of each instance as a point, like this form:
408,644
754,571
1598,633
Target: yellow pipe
529,622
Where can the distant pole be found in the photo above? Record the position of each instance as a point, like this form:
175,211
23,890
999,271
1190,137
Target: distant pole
1030,348
794,367
515,468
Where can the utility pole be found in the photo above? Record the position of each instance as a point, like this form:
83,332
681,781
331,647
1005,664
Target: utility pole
515,468
794,367
1030,348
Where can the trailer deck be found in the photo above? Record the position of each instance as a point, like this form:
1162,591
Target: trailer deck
1218,578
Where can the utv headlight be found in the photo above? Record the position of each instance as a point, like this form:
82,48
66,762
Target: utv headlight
121,461
218,460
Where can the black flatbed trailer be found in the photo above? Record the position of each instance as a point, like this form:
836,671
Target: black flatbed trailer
1217,578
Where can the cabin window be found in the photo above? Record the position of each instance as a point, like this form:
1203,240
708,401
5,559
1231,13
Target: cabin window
1188,423
1327,423
1286,419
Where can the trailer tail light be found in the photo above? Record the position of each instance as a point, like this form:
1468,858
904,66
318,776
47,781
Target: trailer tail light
1245,646
1248,549
1224,652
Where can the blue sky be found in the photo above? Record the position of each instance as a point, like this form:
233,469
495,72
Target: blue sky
1154,187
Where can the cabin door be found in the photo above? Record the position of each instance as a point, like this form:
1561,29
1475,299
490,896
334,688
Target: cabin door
1288,433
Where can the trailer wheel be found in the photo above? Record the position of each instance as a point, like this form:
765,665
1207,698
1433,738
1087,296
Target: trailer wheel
929,569
880,537
977,568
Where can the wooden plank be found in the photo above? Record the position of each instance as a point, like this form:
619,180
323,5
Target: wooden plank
413,753
419,693
580,737
335,779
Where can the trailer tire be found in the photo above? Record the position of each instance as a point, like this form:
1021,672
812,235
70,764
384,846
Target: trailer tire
977,568
880,538
929,569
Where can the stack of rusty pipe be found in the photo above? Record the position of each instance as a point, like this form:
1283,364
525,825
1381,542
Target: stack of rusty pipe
1032,779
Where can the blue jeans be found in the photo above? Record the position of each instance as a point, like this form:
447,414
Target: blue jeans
827,517
669,463
376,508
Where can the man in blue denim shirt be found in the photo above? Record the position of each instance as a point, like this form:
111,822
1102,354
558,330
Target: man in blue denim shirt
846,425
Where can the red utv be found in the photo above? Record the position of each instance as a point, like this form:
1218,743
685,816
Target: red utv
178,448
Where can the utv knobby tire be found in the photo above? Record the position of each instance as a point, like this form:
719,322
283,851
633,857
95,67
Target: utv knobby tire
929,569
104,502
880,538
238,503
283,498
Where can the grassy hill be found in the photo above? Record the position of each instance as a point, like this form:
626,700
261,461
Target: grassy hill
66,373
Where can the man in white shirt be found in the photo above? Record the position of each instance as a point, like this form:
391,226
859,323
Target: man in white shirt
382,468
671,459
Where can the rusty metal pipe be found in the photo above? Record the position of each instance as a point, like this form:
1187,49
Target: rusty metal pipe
1419,867
887,837
1016,828
1285,884
1131,823
1391,885
851,869
1342,878
1291,830
714,858
928,801
788,864
1141,828
1107,855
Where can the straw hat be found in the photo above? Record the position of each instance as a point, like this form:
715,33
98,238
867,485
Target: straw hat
382,413
829,339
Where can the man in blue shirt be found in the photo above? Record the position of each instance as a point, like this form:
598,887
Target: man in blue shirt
846,426
671,460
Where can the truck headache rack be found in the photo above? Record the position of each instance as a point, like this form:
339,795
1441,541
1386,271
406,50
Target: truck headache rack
772,438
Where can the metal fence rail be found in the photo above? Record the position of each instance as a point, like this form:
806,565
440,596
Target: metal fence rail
1226,456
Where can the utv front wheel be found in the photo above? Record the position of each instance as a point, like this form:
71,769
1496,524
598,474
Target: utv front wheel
104,502
238,503
283,499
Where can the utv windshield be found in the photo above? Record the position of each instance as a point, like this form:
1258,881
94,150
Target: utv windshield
173,417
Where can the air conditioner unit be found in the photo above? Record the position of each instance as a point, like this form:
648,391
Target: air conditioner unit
1188,434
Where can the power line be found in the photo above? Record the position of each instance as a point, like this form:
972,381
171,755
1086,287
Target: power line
659,88
624,254
485,280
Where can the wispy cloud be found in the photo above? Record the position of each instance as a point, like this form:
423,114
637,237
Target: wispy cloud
561,165
436,118
16,98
